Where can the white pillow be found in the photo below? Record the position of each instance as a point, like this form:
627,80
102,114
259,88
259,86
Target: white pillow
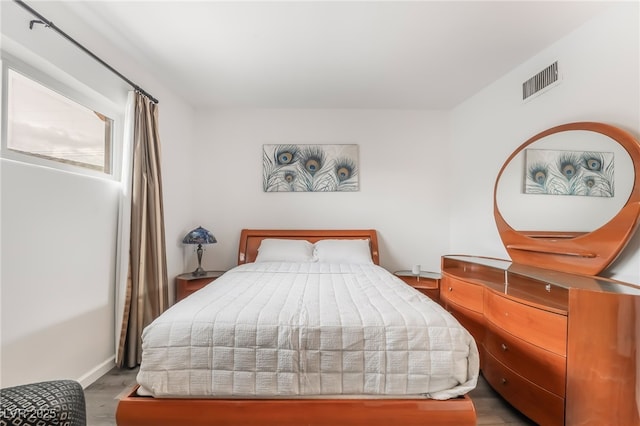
281,250
343,251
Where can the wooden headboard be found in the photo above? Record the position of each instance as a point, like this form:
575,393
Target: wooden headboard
250,239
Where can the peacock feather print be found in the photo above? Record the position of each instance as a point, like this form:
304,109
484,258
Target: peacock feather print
584,173
310,168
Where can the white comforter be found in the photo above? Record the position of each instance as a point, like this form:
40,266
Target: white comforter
304,330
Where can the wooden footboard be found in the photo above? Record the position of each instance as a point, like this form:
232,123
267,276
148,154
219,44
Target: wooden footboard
134,410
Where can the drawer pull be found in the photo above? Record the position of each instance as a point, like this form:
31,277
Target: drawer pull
450,289
504,347
504,381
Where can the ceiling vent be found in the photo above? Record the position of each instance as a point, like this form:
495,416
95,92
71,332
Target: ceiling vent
545,79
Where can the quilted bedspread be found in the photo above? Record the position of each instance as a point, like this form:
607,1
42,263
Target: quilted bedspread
307,330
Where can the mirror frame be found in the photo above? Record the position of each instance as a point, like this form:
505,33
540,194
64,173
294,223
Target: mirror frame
578,252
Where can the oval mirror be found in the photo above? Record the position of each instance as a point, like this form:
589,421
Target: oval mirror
569,197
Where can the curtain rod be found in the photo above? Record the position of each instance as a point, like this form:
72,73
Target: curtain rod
49,24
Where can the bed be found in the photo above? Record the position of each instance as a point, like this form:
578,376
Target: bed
327,349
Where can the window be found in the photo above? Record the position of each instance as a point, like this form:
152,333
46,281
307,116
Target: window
45,124
57,123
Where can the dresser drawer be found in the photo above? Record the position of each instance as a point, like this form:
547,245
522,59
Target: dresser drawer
537,326
462,293
544,368
471,320
543,407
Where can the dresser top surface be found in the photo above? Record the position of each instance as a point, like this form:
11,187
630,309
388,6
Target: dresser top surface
512,271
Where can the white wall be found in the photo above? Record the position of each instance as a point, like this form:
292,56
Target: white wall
402,174
58,240
601,82
57,305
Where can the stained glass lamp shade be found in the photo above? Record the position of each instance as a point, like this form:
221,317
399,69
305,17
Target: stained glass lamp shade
199,236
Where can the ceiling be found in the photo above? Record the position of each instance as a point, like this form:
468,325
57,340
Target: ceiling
332,54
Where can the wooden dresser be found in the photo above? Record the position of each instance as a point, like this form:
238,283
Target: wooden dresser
561,348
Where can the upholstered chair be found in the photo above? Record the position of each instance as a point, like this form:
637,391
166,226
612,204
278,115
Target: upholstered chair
52,403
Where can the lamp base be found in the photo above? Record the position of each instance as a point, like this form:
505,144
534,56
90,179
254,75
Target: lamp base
199,272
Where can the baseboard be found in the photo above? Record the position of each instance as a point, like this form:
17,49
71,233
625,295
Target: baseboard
97,372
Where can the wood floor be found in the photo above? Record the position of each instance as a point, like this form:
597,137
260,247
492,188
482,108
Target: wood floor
102,397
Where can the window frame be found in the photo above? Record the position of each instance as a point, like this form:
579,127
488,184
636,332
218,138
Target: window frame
71,88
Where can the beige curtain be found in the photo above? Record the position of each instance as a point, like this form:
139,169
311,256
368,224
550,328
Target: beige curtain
146,292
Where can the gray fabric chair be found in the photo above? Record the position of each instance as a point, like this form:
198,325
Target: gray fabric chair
53,403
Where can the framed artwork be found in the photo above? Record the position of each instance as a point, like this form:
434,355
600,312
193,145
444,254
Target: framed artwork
556,172
310,168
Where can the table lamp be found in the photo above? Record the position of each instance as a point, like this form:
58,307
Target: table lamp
199,236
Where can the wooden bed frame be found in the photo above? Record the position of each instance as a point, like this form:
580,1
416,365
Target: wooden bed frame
135,410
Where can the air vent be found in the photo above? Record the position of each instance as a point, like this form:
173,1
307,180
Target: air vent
542,80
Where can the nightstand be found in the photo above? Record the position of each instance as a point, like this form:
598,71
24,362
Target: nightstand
427,283
188,283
